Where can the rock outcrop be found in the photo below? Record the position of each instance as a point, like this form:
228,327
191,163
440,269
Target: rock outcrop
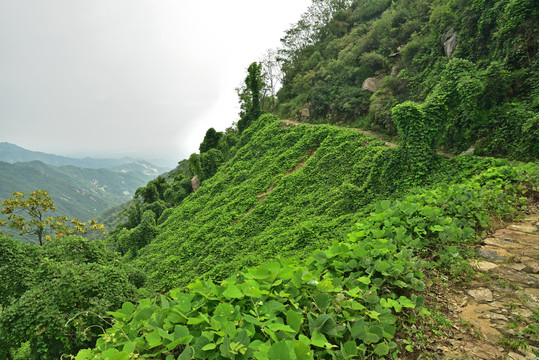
372,83
449,41
195,183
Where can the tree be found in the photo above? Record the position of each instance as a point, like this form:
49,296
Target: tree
250,96
211,140
30,216
312,27
272,74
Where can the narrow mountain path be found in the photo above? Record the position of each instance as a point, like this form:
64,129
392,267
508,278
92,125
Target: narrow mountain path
368,133
496,315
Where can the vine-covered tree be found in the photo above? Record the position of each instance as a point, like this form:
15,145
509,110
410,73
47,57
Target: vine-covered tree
250,97
59,295
211,140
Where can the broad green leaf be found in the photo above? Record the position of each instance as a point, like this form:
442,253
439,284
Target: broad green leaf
144,314
224,309
186,354
302,350
117,315
129,347
180,341
85,354
164,302
294,320
184,302
350,348
388,331
279,327
405,302
233,292
371,338
110,352
385,204
320,257
209,346
123,355
153,339
282,350
322,301
382,266
373,314
364,279
324,323
127,308
381,349
318,339
261,273
180,331
165,335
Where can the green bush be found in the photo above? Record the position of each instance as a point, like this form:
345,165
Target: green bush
61,308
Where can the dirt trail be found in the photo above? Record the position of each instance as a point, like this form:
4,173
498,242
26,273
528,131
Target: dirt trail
366,132
496,316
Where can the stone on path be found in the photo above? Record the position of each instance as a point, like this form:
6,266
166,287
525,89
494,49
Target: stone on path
484,265
529,229
491,255
481,294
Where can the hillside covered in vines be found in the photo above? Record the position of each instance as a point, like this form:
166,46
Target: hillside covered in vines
295,233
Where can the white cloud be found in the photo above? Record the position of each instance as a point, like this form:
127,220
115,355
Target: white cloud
128,76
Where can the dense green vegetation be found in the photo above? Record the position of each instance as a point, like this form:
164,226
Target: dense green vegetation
346,301
489,81
280,240
288,191
53,296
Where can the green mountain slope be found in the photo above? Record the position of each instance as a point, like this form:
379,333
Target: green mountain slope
288,191
312,241
479,56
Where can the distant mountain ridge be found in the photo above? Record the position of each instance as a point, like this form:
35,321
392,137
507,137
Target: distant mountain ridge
78,191
12,153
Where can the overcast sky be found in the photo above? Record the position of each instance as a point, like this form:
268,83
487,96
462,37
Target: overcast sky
129,77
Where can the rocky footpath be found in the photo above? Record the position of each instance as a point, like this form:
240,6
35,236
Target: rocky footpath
496,315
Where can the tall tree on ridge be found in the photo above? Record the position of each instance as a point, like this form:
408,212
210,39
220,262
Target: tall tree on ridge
250,97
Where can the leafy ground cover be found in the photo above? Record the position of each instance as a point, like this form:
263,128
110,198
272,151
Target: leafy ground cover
348,300
288,191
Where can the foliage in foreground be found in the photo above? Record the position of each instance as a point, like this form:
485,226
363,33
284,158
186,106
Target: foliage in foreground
52,296
348,300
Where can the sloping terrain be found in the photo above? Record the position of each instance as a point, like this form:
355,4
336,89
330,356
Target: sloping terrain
288,191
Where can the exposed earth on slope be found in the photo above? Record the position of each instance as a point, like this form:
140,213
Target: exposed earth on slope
496,315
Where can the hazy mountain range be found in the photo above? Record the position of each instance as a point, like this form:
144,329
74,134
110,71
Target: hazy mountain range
12,153
81,188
